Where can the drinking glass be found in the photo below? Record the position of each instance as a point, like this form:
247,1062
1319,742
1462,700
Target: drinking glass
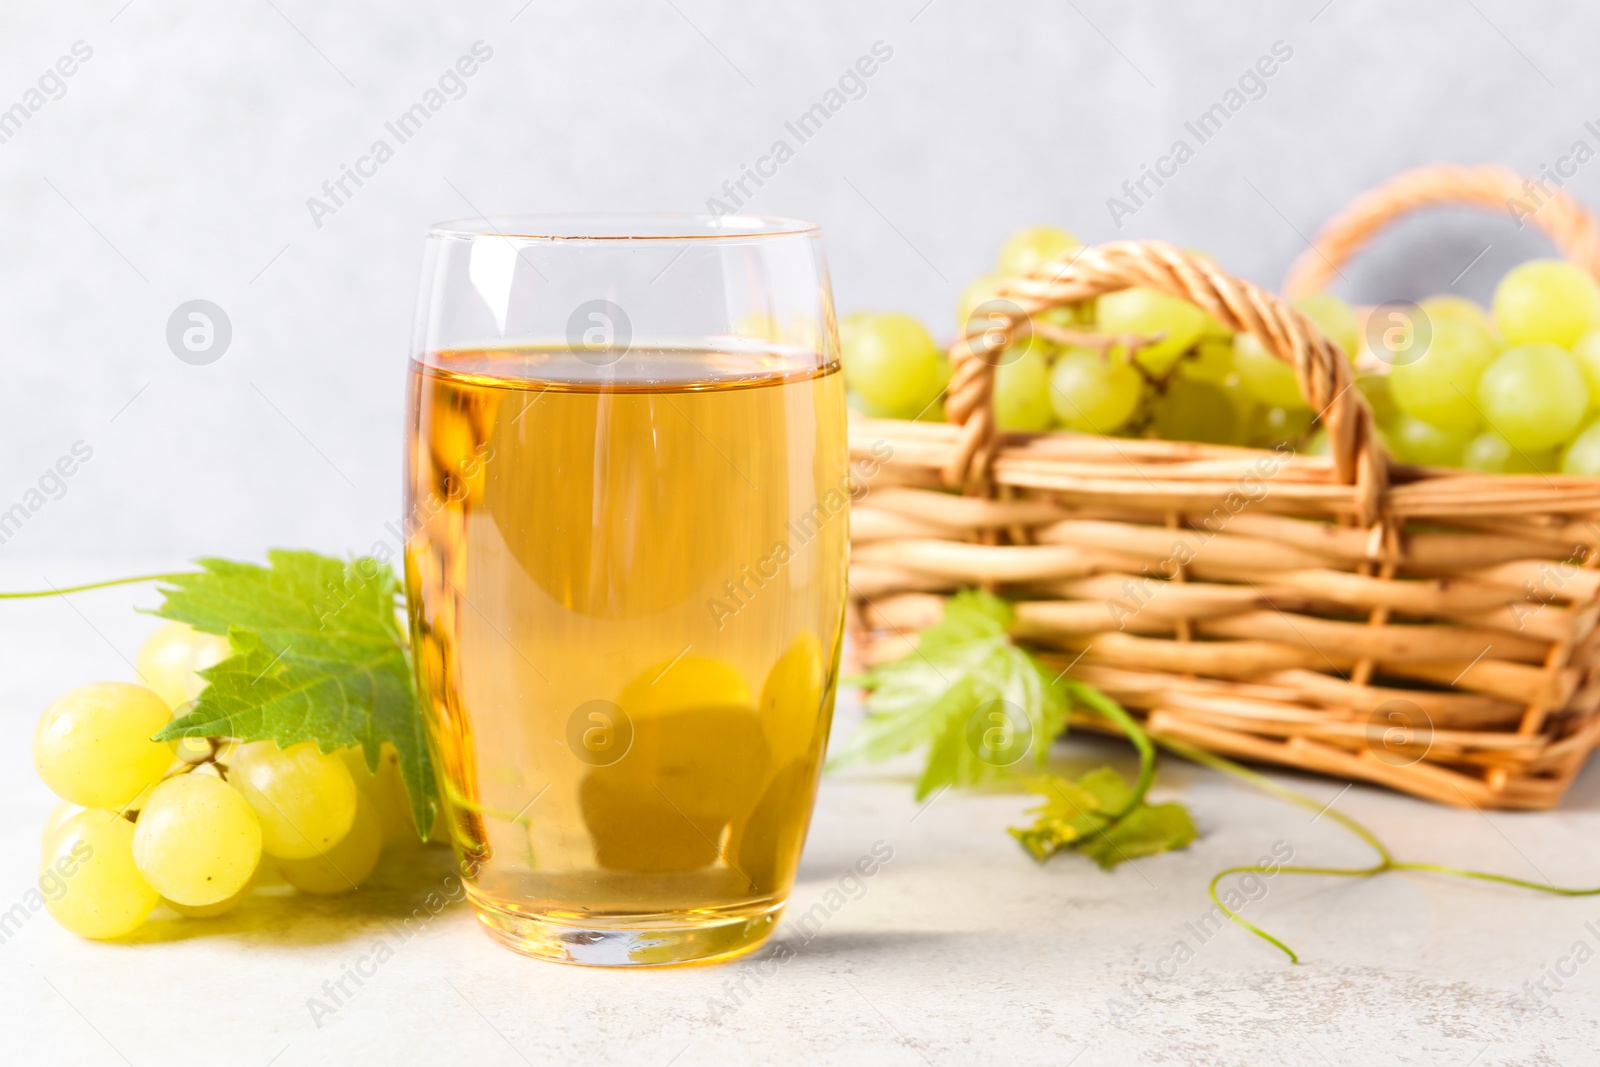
626,494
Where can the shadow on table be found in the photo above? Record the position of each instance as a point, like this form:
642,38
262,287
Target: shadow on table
854,944
409,889
1584,792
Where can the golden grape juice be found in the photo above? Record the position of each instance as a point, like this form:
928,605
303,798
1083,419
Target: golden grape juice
626,588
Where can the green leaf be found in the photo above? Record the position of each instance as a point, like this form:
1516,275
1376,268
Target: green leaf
1144,831
965,682
943,697
969,615
1070,812
1109,789
1101,817
318,655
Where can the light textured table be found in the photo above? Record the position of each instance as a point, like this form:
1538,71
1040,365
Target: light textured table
959,950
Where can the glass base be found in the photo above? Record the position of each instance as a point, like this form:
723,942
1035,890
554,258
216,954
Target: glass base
655,941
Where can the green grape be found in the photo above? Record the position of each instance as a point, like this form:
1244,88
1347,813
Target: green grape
1441,386
92,746
169,663
792,696
1245,407
1146,313
1334,318
1586,353
987,288
192,750
1582,456
1211,362
1375,387
1276,424
1534,396
1022,390
1196,411
769,841
695,721
1450,308
89,880
1411,440
891,363
1068,317
387,788
305,799
347,864
163,661
982,292
170,659
855,402
1546,301
211,911
690,777
1214,331
1091,394
355,761
689,682
1492,453
1266,378
1031,246
197,841
978,291
53,822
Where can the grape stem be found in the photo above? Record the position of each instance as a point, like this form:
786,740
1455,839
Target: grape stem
1131,342
1131,345
1386,862
131,813
215,744
96,585
1109,709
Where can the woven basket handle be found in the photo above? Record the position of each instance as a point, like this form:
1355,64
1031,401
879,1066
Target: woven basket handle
1323,372
1569,225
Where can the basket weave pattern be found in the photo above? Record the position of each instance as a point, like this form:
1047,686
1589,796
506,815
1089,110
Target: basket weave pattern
1429,630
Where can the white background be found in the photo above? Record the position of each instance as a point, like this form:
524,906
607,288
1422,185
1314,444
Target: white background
179,161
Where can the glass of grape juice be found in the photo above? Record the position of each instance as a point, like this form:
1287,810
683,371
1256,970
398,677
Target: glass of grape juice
626,516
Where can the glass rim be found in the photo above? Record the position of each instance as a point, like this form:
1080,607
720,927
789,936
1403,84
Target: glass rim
637,226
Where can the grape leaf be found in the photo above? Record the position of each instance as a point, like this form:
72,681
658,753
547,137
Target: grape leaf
317,655
1099,816
959,666
965,665
1145,831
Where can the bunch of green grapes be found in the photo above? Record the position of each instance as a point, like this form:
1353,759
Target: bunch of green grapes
1512,389
195,825
1509,389
1131,363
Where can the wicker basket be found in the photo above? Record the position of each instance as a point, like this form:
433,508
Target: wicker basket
1429,630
